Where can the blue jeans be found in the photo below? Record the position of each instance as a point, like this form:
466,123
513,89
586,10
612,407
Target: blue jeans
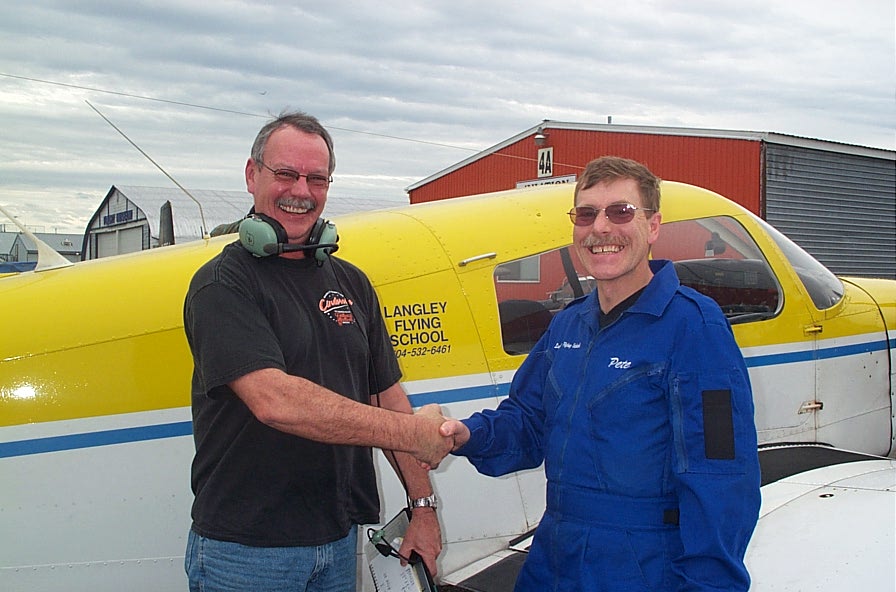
219,566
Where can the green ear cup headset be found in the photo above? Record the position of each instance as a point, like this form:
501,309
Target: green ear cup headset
262,236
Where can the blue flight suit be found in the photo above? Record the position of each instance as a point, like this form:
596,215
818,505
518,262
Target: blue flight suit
646,431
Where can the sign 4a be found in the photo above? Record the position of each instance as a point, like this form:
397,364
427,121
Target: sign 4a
546,162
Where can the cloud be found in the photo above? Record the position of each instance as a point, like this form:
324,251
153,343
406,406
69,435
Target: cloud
408,88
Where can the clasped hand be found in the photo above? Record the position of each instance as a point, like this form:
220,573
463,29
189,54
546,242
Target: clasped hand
441,436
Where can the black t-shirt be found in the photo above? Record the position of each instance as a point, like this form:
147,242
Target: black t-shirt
253,484
605,319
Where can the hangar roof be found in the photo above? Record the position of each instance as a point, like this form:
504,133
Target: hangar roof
219,207
770,137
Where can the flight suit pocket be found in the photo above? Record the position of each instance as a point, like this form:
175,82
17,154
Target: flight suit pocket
705,414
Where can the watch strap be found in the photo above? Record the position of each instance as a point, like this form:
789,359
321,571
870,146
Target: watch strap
425,502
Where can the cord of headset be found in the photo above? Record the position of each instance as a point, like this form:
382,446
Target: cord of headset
264,236
377,537
376,384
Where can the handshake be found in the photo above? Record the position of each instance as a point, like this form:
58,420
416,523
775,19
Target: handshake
437,435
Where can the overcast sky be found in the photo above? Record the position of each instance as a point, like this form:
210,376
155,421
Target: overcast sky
408,88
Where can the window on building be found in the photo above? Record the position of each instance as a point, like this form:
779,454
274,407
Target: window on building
521,270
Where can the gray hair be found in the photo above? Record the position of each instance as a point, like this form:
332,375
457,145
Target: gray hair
298,120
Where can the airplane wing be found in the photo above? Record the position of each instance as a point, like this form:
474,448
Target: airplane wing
829,528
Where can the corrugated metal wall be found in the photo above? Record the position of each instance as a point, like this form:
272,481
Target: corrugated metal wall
839,207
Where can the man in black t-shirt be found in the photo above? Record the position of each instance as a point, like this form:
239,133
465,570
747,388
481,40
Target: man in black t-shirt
289,352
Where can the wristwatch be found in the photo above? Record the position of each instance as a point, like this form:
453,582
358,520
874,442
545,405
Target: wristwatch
425,502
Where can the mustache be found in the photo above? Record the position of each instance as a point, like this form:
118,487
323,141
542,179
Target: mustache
302,203
601,241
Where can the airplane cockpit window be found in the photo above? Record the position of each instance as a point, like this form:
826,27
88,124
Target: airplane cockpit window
717,257
531,290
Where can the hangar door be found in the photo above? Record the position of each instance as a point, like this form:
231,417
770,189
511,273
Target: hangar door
119,241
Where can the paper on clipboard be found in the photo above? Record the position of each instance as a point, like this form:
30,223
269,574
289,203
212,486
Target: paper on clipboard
390,576
387,571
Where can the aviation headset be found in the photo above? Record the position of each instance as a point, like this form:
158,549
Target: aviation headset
262,236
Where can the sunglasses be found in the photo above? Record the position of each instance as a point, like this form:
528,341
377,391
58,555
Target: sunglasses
619,213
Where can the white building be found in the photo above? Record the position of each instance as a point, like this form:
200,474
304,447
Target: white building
131,219
16,247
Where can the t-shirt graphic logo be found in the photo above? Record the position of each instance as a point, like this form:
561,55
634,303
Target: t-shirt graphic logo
336,306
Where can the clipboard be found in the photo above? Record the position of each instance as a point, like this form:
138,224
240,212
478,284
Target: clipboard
386,570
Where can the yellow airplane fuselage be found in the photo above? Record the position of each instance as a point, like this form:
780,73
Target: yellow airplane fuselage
95,371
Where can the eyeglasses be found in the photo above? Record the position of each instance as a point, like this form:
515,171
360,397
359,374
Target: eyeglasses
619,213
291,176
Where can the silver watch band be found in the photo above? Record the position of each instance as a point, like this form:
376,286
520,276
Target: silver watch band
425,502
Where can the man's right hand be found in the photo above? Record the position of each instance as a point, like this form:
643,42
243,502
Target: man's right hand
433,446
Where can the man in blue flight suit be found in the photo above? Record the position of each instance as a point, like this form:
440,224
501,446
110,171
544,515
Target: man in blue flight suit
638,402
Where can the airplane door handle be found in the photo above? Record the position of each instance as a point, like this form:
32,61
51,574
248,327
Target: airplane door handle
810,406
469,260
813,329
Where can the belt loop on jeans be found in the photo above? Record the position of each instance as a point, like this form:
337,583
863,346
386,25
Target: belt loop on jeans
600,508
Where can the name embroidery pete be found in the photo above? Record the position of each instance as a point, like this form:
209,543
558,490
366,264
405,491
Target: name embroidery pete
617,363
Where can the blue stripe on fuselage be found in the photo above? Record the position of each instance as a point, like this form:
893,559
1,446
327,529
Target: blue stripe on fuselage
837,351
442,397
92,439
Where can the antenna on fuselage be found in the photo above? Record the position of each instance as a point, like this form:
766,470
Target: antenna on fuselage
205,233
47,256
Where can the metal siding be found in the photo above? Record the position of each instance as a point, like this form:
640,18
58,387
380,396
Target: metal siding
495,172
841,208
727,166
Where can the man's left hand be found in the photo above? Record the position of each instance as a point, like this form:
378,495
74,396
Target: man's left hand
423,536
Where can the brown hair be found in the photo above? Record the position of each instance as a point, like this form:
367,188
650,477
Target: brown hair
613,168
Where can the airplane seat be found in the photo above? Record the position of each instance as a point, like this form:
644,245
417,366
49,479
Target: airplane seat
523,322
739,286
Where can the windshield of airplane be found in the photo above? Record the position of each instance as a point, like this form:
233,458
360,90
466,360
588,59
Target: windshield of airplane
823,286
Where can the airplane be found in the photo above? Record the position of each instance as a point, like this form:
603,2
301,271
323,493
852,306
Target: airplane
95,429
829,528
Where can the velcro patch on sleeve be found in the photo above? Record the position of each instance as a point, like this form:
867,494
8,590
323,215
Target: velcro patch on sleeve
718,425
